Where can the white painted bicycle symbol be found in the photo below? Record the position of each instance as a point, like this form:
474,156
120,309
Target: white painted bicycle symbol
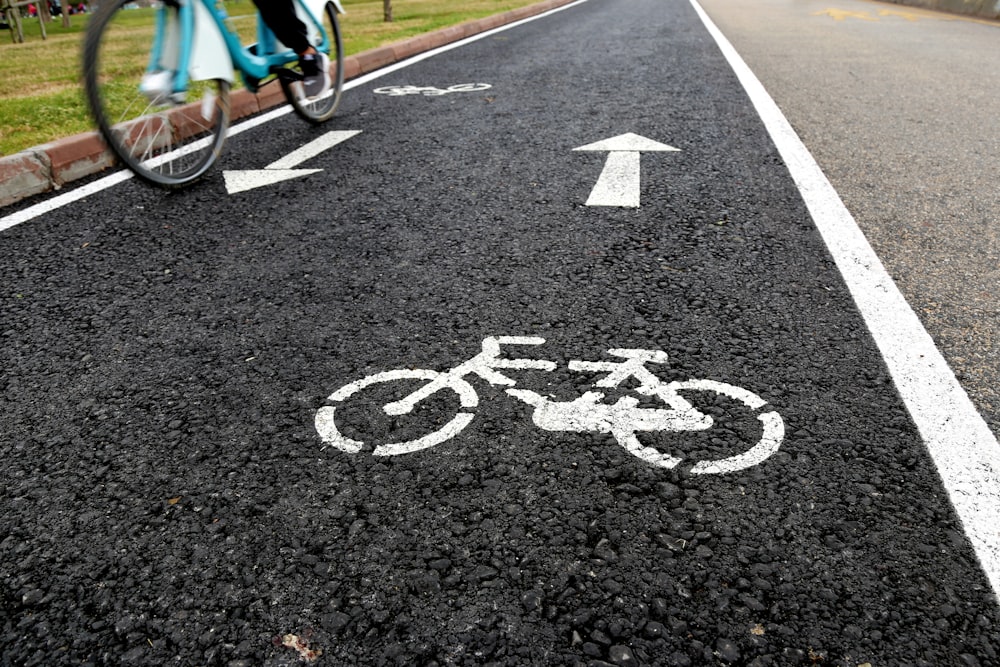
622,419
431,91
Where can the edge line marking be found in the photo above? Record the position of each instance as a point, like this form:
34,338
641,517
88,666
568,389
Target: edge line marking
964,450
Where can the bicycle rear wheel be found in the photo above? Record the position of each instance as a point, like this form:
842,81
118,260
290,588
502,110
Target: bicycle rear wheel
331,433
163,142
322,108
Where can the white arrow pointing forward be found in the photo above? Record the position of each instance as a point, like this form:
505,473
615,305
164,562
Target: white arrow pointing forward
283,169
618,184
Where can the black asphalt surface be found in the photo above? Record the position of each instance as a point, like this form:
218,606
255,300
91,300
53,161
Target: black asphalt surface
166,499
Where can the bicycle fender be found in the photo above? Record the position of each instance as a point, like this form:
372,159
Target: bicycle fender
209,54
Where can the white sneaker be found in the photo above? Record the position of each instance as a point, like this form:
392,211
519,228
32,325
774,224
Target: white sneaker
316,73
157,86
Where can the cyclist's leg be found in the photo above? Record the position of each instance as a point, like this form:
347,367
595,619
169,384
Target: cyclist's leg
317,108
280,17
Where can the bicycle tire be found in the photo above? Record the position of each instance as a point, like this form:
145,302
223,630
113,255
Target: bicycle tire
166,144
321,109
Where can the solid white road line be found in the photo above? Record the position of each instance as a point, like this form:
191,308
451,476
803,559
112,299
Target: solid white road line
960,442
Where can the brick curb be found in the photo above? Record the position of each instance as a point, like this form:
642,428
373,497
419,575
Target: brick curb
50,166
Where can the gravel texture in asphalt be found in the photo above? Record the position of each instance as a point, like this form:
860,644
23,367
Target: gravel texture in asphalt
167,498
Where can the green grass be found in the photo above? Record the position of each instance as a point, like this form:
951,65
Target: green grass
41,95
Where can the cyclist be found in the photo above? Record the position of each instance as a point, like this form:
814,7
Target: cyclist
280,17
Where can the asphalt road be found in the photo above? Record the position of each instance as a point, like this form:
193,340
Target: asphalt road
196,465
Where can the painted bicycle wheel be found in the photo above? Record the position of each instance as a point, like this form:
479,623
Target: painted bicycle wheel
165,141
334,435
771,425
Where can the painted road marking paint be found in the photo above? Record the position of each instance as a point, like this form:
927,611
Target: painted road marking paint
431,91
313,148
618,184
283,169
589,413
241,181
963,448
841,14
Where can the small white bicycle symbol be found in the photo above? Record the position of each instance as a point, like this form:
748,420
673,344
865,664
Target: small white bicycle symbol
431,91
622,419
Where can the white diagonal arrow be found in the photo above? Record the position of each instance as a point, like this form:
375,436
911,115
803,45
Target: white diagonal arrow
283,169
618,184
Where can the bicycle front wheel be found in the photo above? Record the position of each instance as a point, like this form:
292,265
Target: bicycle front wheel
322,108
444,423
164,142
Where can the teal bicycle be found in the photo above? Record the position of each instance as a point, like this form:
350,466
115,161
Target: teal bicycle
158,79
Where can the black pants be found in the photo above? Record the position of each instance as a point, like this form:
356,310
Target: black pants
280,17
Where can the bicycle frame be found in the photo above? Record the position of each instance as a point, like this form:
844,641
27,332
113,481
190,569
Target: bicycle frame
197,43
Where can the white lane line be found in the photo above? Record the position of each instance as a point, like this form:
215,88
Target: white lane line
82,192
963,448
59,201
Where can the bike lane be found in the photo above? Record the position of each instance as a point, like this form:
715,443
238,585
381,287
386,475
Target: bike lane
170,355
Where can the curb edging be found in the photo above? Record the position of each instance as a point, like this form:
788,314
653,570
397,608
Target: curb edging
47,167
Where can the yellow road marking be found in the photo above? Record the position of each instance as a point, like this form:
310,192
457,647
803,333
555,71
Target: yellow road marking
841,14
909,16
917,15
